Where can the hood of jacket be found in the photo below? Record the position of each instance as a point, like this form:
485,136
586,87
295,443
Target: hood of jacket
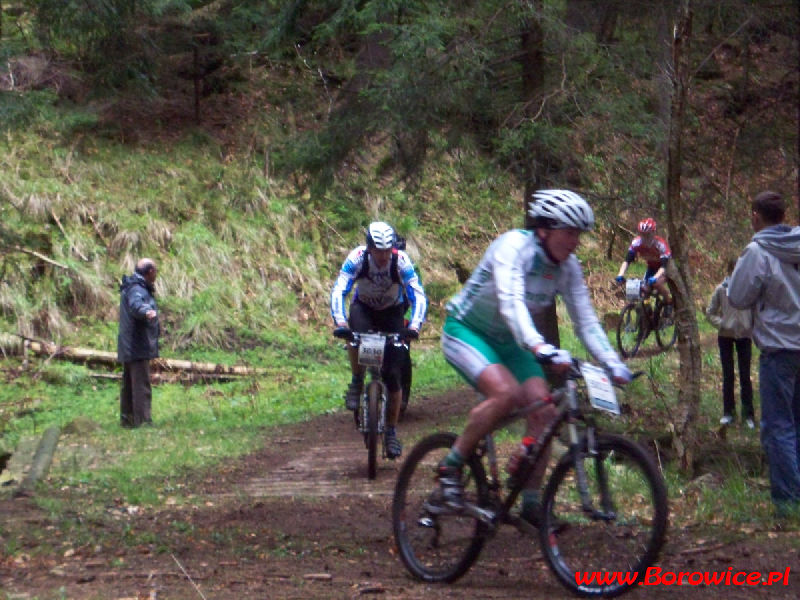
781,241
135,279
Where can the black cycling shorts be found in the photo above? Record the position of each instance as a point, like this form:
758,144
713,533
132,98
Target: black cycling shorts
389,320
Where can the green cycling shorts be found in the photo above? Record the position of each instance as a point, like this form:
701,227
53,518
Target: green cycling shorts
469,352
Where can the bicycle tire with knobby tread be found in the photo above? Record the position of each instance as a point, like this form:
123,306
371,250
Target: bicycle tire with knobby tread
436,548
664,339
573,542
405,383
631,316
373,402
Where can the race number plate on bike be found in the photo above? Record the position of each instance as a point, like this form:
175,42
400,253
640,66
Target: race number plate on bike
370,351
632,287
601,392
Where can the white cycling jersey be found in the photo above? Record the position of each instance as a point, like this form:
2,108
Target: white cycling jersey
514,280
378,290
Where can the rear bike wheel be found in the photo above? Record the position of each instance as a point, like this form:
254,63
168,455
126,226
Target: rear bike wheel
436,544
622,537
630,330
666,332
371,435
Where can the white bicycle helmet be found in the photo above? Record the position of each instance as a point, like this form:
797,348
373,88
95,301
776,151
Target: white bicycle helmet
380,235
558,209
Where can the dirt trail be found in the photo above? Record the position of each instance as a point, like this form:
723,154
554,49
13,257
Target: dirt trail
299,519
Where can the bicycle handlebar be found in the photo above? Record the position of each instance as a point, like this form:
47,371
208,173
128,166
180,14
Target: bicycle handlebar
403,336
574,371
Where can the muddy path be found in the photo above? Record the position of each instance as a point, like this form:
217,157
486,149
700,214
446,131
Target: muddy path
299,519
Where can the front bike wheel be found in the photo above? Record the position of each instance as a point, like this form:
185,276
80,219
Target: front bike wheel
371,435
606,550
666,332
435,543
405,382
630,330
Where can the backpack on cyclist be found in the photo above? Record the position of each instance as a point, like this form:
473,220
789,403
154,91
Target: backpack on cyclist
394,271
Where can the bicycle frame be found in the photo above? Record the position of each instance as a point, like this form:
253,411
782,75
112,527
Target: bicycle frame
639,319
569,412
373,355
604,505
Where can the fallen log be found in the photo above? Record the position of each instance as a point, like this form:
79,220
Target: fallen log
176,377
17,344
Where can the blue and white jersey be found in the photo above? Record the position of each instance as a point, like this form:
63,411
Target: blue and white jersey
378,290
514,280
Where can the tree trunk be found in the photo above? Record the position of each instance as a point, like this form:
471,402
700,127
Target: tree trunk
684,428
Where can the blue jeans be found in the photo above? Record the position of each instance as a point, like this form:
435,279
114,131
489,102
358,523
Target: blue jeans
780,424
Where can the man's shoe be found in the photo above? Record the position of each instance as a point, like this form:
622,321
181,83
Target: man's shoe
750,424
451,485
726,420
393,446
353,394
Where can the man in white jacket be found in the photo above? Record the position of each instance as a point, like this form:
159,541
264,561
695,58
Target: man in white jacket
767,279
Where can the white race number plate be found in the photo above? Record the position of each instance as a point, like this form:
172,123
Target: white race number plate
370,352
601,392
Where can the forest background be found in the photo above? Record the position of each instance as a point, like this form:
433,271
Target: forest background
244,145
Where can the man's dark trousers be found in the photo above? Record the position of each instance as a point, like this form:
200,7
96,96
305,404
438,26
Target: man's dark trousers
136,395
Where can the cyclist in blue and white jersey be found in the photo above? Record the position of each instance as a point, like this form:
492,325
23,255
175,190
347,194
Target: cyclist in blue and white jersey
490,338
385,283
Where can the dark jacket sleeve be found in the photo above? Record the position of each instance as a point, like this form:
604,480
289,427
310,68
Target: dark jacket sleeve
138,336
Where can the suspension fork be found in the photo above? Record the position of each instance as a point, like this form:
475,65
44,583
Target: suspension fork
579,456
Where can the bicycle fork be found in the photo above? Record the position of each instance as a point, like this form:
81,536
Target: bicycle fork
579,456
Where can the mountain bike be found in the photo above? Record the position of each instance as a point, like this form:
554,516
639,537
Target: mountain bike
603,510
639,318
370,416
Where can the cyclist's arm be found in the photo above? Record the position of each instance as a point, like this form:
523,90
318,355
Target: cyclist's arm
629,258
665,255
509,261
582,314
414,291
343,285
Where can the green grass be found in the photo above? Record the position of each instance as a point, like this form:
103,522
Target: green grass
195,426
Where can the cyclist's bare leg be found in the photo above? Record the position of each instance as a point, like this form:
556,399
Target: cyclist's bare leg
355,368
663,289
536,388
503,394
393,407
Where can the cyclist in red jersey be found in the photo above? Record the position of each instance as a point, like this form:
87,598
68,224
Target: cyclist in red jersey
656,253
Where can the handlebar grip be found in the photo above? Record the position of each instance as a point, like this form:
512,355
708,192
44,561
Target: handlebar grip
344,333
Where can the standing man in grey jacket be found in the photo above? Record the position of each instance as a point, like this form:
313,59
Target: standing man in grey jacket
137,343
767,279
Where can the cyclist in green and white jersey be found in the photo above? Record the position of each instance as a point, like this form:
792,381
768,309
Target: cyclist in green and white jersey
490,338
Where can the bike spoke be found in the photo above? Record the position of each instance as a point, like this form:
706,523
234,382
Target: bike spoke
624,530
666,331
435,542
630,330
